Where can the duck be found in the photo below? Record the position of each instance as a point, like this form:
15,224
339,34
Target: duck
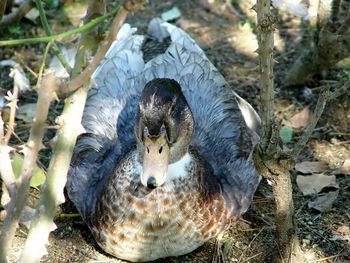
165,160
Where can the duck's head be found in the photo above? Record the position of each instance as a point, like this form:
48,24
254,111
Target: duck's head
163,129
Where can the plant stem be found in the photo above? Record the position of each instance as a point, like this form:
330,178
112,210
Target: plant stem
43,63
100,55
47,29
265,39
31,150
52,195
61,36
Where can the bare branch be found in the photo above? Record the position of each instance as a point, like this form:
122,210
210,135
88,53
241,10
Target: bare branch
31,149
265,39
13,105
324,96
99,56
47,29
6,171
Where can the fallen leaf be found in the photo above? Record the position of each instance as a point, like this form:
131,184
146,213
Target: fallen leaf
344,169
171,14
286,134
38,177
342,233
312,184
299,120
324,202
26,112
311,167
32,15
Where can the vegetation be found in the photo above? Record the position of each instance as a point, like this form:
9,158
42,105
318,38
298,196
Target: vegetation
275,156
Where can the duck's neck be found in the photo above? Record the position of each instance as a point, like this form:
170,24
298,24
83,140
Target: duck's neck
179,169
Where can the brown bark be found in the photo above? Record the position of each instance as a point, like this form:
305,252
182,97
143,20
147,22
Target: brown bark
269,159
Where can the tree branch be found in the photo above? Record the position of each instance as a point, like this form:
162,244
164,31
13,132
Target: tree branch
31,149
47,29
6,172
324,96
61,36
100,55
13,104
265,39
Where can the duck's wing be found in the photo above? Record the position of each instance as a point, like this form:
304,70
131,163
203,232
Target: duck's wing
226,126
108,116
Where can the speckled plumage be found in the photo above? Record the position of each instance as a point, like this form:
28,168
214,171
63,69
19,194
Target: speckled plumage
127,219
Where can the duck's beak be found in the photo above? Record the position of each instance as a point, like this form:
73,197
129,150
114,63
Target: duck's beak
155,161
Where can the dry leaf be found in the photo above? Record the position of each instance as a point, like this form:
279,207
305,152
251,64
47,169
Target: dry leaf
344,169
313,184
311,167
324,202
342,233
299,120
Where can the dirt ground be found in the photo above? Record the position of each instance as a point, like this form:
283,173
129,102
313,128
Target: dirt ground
227,36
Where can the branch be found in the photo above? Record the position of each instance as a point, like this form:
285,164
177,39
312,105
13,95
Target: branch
89,39
47,29
31,149
61,36
265,39
6,171
16,16
100,55
324,96
52,195
13,104
43,63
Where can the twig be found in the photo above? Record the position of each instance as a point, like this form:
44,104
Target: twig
89,38
31,149
47,29
61,36
43,63
250,243
13,105
52,195
86,74
320,105
16,16
6,171
265,39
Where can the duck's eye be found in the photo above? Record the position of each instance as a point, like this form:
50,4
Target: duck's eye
160,149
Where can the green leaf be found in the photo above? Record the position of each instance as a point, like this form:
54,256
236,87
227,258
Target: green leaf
38,177
171,14
286,134
17,30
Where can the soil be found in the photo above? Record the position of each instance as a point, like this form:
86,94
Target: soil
226,33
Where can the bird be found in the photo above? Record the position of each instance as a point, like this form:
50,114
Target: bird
165,160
